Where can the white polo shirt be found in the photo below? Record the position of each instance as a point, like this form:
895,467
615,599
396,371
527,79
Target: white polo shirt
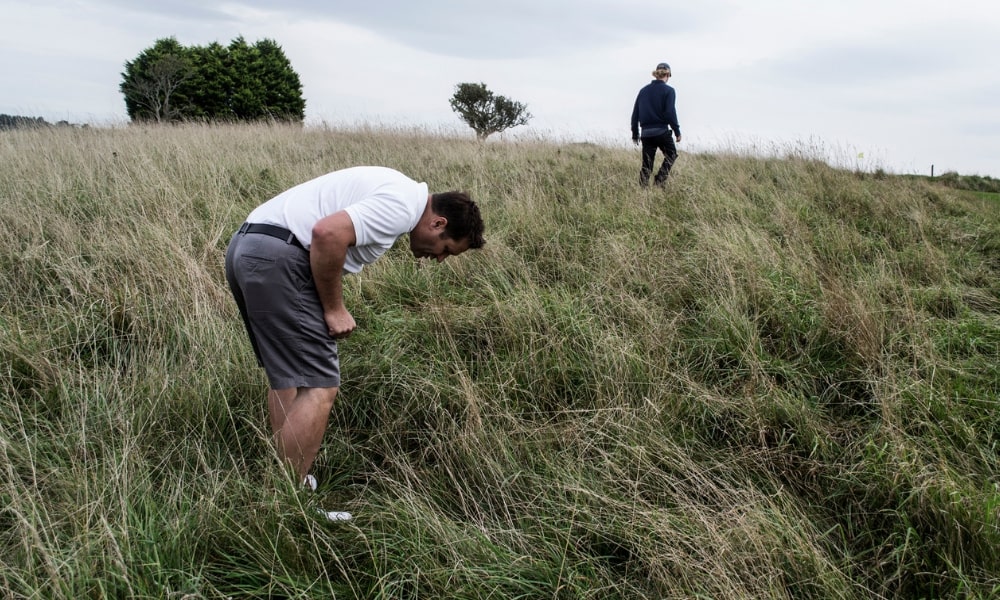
383,204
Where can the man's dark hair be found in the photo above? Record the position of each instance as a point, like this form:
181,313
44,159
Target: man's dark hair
464,221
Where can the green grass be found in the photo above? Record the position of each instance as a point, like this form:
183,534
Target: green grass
774,379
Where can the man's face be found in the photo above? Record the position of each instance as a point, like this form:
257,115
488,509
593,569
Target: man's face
432,243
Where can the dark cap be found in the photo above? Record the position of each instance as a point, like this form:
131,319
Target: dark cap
663,67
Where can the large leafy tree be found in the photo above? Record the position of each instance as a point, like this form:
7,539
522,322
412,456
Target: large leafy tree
171,82
264,82
485,112
210,84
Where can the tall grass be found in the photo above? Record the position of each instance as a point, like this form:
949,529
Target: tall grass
775,379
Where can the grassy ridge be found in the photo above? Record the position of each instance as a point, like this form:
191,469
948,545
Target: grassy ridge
773,380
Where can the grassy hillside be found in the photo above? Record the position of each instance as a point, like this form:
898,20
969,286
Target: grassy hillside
772,380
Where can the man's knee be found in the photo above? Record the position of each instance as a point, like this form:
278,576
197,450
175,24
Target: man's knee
322,396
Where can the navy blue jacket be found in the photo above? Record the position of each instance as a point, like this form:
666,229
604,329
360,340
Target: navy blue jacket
654,110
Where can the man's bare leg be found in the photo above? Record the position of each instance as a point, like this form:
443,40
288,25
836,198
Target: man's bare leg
298,420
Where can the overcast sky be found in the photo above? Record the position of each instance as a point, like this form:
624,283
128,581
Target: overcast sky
895,84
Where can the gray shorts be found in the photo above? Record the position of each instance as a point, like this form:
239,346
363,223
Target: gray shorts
272,283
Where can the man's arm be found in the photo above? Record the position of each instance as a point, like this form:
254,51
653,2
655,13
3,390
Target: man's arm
331,237
635,121
672,113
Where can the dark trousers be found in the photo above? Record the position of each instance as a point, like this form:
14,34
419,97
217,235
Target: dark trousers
665,144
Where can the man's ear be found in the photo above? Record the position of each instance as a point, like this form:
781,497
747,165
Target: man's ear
439,223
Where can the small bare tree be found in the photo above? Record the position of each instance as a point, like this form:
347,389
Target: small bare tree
154,91
485,112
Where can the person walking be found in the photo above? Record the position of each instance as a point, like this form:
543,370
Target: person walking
656,115
285,266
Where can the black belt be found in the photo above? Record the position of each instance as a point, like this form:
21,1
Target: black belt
272,230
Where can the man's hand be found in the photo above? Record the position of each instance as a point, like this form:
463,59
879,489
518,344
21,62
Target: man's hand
340,323
678,137
635,141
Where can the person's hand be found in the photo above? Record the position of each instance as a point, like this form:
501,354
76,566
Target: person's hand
678,137
339,323
635,141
